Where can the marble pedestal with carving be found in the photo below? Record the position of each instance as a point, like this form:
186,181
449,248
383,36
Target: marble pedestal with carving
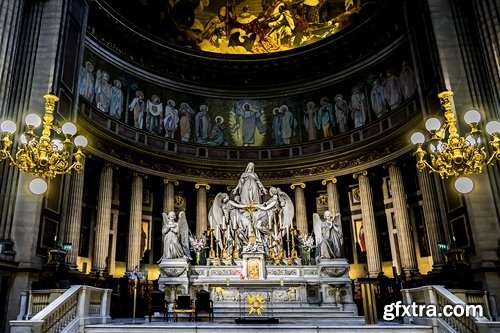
298,292
174,277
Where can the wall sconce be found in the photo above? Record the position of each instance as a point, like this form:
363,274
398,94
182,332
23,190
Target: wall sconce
452,155
44,157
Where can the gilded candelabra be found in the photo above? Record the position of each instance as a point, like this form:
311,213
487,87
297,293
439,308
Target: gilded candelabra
43,156
452,155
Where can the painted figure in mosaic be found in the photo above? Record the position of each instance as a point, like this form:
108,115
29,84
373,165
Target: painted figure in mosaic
328,235
203,125
326,119
341,113
175,236
249,188
282,25
102,91
277,126
116,106
171,121
393,91
185,114
217,137
311,120
358,108
408,80
215,28
87,81
377,98
251,123
154,114
288,124
138,107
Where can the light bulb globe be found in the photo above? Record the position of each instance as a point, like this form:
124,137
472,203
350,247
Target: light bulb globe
493,127
38,186
58,144
464,185
417,138
432,124
68,129
8,126
33,120
81,141
472,116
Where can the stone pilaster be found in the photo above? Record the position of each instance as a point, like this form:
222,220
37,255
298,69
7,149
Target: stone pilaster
332,194
134,231
371,239
168,194
74,215
405,239
101,243
300,208
432,217
201,208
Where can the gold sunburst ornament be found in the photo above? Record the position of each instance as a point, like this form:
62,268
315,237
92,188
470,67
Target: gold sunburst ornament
256,303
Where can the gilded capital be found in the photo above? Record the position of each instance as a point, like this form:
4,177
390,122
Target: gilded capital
363,173
326,181
170,181
138,174
199,185
293,186
390,163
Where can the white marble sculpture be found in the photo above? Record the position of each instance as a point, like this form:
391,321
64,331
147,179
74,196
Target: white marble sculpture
328,234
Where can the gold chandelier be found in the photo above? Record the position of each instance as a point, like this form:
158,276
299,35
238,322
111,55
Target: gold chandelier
452,155
44,157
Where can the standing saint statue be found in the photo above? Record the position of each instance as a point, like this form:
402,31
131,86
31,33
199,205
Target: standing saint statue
249,187
328,234
175,236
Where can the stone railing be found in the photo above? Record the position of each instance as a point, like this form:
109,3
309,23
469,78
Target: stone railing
472,320
69,312
481,297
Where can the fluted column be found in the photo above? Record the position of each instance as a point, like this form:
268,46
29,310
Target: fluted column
431,216
101,243
134,231
201,208
300,208
169,194
332,194
372,248
74,215
405,239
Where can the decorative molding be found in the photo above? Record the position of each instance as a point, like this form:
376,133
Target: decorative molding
363,173
199,185
167,181
335,271
173,272
326,181
297,185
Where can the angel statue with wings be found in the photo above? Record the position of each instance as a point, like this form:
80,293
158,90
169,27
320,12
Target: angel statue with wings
175,236
328,234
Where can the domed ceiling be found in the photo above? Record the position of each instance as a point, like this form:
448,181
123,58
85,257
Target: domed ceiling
237,26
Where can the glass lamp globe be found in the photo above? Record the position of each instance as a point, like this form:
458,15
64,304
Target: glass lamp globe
464,185
38,186
417,138
33,120
472,116
58,144
68,129
81,141
432,124
8,126
493,127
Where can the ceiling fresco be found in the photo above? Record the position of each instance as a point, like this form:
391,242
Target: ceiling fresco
237,26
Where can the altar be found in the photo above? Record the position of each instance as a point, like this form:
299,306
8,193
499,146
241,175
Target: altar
253,269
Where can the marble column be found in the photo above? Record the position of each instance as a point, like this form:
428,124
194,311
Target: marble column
74,215
432,217
300,208
405,239
101,239
134,231
169,194
371,238
201,209
332,194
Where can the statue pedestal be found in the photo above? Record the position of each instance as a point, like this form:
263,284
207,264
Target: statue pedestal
335,282
174,277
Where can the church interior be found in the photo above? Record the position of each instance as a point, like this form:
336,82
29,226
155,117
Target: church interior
306,163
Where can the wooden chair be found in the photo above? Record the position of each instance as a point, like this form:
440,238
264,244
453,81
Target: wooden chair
183,304
204,304
158,304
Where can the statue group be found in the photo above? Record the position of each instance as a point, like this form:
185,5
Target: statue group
252,219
